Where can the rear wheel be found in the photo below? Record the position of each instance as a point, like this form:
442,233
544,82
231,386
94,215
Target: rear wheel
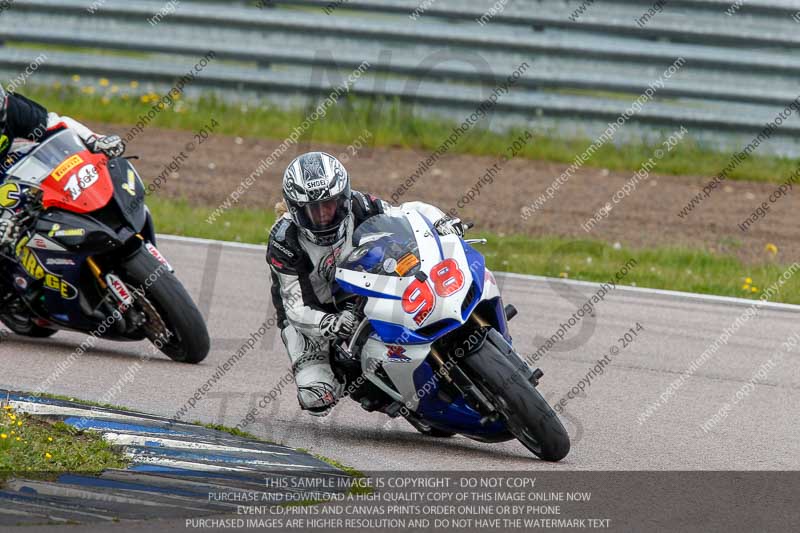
17,318
173,322
528,415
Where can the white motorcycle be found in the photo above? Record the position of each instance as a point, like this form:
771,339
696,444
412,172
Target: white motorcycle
433,344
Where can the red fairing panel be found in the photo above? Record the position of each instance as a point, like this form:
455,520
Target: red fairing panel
81,184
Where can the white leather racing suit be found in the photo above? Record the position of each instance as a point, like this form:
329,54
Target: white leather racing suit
302,279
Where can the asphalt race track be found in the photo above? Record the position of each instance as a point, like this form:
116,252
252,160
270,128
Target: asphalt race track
607,422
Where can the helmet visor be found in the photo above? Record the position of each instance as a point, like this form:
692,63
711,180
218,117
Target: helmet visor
324,215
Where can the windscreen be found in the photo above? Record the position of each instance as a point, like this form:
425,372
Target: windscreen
384,245
45,158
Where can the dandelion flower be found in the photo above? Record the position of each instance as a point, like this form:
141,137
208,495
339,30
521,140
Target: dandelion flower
49,439
47,455
745,287
144,99
19,439
134,84
105,100
748,281
104,82
19,422
114,89
88,90
563,275
754,289
76,78
3,436
771,248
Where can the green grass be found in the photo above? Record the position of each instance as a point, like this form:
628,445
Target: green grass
677,269
180,218
391,124
233,431
336,464
239,433
349,470
36,447
690,270
83,402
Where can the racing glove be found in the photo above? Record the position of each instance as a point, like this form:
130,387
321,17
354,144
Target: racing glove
9,232
110,145
449,226
338,326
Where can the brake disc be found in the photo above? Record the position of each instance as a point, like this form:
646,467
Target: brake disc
154,327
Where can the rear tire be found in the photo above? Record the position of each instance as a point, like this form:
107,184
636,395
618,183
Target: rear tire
21,323
189,342
31,330
528,415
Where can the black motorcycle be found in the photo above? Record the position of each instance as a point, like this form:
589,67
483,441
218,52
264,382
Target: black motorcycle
87,257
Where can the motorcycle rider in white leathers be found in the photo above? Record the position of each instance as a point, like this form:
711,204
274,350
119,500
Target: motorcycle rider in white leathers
305,246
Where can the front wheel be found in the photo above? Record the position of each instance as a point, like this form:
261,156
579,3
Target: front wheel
173,322
528,415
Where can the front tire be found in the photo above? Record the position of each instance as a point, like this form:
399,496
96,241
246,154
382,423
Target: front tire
188,341
528,415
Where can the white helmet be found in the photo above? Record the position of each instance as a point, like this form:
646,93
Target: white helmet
316,189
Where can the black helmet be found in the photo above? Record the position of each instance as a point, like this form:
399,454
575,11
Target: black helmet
316,189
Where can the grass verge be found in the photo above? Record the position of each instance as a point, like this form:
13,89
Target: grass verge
83,402
676,269
360,486
239,433
390,123
38,448
236,432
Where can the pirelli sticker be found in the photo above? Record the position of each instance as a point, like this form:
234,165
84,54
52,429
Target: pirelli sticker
64,168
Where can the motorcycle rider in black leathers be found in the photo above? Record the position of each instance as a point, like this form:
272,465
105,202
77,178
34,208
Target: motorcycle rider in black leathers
22,119
305,245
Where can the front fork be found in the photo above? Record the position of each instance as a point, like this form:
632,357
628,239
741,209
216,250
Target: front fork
120,294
